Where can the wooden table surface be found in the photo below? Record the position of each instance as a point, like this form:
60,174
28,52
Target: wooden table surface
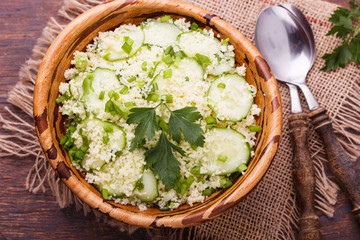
27,216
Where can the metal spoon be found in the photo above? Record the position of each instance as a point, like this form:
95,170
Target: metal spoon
283,37
286,47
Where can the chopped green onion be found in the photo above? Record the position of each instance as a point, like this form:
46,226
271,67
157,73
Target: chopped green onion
193,146
110,93
169,51
79,155
221,85
119,109
106,139
177,61
129,104
85,139
129,41
194,26
218,57
143,66
165,18
195,170
124,90
209,126
184,188
199,30
62,98
210,120
84,148
201,180
71,129
151,72
225,41
105,193
131,79
226,183
116,96
254,128
154,87
63,139
163,125
109,106
189,180
101,95
167,73
167,59
180,54
241,168
139,185
126,47
141,82
222,158
186,78
106,56
153,97
202,59
169,98
207,192
80,62
108,127
71,153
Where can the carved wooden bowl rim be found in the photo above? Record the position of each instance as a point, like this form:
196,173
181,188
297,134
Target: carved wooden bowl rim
49,125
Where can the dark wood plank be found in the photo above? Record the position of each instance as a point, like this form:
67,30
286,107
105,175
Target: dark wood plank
27,216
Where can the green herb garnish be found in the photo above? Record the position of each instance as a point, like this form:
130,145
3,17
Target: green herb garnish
164,162
183,121
147,127
161,157
344,29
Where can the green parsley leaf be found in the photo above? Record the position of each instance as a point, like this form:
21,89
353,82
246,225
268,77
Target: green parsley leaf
343,28
354,47
147,127
339,57
164,162
182,120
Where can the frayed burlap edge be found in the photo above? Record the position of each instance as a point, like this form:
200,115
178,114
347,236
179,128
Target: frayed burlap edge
41,172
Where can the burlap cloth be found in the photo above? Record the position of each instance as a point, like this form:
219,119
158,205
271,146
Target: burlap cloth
270,211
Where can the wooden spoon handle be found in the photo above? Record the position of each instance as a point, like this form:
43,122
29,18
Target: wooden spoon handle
340,163
304,177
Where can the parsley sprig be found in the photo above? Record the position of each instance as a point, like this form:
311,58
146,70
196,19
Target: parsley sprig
161,157
344,28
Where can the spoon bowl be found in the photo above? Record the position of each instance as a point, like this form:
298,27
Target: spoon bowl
288,47
284,43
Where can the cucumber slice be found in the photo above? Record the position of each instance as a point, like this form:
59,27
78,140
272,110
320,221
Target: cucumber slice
117,141
150,190
195,42
227,149
112,47
114,192
230,98
102,80
162,34
188,69
223,67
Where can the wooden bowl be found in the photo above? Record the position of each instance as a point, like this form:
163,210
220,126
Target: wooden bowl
49,123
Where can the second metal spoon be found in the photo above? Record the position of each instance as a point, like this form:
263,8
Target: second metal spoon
286,43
